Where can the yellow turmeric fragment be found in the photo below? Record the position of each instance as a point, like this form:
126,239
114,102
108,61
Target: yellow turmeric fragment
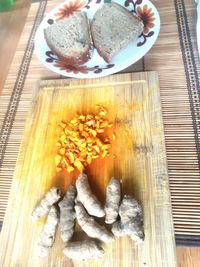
102,111
58,169
81,141
58,159
105,152
58,144
62,151
100,130
62,124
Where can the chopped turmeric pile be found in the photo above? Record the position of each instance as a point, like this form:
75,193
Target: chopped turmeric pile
81,141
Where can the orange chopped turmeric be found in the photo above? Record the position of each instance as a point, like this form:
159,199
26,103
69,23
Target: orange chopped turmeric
81,141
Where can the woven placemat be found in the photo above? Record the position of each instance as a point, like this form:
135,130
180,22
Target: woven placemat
174,56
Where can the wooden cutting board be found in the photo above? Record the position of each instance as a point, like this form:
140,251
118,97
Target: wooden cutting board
137,157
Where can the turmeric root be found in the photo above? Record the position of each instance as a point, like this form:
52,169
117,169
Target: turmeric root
47,236
67,214
83,250
113,197
87,198
90,226
51,197
131,222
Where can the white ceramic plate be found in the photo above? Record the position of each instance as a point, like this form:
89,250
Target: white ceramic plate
96,66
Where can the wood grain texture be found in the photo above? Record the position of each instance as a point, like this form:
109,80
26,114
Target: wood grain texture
188,257
178,122
10,33
134,106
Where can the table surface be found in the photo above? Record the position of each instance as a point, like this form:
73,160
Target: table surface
11,25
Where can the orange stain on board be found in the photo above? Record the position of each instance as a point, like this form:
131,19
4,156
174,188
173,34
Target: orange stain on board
100,170
100,165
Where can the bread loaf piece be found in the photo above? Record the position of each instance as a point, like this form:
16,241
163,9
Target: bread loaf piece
113,27
70,39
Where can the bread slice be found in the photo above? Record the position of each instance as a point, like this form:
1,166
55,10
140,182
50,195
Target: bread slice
113,27
70,39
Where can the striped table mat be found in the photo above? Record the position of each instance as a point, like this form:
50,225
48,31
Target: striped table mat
174,56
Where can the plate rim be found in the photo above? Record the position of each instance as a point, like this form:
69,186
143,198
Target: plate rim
117,67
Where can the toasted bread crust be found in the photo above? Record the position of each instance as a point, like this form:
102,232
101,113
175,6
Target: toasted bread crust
74,59
106,56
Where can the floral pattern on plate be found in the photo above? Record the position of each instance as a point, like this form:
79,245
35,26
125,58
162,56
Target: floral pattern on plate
89,1
69,9
51,57
147,16
97,67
